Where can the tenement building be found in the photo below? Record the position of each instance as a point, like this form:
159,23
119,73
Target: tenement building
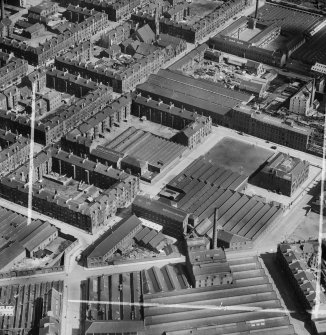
75,34
12,153
52,127
72,189
13,72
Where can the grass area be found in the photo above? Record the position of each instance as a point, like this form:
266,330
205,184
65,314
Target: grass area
238,156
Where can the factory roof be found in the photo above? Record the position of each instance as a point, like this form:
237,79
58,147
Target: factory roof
115,237
39,235
10,253
101,327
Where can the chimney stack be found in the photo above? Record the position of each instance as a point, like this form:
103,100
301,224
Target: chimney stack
2,9
256,12
215,229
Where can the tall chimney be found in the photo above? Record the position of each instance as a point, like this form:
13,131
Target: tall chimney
2,9
256,12
215,229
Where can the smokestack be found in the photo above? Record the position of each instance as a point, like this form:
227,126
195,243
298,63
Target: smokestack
256,12
2,9
215,229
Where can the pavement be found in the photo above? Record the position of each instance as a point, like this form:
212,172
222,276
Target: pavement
74,274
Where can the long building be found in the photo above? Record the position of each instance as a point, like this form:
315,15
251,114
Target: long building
62,188
200,29
270,128
121,81
35,305
51,128
118,239
212,195
74,34
204,97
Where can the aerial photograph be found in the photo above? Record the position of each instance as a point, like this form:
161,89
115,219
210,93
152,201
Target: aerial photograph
162,167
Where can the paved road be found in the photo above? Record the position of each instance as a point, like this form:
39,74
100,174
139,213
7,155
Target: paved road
218,133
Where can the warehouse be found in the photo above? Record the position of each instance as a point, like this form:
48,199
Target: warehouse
173,220
146,151
116,240
19,240
252,289
212,194
283,174
201,96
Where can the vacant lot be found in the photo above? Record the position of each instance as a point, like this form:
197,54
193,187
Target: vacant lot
238,156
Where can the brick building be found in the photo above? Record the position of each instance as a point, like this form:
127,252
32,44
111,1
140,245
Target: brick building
116,36
64,198
41,12
51,128
111,116
201,96
12,72
256,123
14,155
200,29
69,83
118,239
75,34
122,81
115,10
173,220
38,78
283,174
193,127
208,267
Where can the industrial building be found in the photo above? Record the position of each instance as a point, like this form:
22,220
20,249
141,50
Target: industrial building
256,123
151,239
212,195
204,97
35,304
19,241
194,128
118,239
283,174
207,267
145,154
173,220
107,288
251,287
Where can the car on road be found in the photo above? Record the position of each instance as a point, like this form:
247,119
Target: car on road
274,147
